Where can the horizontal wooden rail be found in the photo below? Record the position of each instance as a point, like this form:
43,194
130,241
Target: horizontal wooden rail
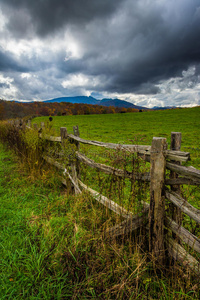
107,202
142,150
184,206
127,226
178,155
181,180
190,172
132,148
53,162
110,170
118,172
181,255
186,236
50,137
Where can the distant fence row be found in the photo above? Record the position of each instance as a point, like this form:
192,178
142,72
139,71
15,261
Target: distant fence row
166,235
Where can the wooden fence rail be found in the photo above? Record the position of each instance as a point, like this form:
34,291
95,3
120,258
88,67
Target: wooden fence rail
161,188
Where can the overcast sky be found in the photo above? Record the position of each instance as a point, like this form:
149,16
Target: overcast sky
143,51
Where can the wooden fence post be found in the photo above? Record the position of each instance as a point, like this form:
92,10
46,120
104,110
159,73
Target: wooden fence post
76,130
157,199
63,133
175,145
76,133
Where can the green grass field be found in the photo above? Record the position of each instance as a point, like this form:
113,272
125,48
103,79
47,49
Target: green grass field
51,242
137,128
133,128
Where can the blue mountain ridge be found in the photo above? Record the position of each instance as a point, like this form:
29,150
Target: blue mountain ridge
104,102
91,100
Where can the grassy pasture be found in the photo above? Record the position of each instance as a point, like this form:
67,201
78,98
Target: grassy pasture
137,128
134,128
51,244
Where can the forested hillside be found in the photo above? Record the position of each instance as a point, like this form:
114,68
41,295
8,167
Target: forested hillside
12,109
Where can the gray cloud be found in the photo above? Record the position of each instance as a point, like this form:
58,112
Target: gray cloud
128,46
8,62
51,15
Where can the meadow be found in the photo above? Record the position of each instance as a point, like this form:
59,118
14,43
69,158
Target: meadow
52,244
137,128
133,128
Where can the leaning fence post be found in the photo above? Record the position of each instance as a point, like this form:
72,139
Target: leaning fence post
157,199
175,145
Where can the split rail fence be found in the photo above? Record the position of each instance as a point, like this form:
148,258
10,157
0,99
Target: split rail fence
166,235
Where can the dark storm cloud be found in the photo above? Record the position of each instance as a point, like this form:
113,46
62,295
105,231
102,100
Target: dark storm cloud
132,45
141,45
162,47
50,15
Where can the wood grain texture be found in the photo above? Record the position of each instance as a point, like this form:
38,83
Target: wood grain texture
181,255
183,205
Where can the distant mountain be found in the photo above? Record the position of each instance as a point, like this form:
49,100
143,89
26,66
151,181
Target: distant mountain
91,100
163,108
104,102
119,103
77,99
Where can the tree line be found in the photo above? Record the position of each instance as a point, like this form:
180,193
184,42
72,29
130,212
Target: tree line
12,109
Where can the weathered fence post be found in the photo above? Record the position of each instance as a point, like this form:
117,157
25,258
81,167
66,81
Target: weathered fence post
76,130
76,133
157,199
175,145
63,133
29,123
